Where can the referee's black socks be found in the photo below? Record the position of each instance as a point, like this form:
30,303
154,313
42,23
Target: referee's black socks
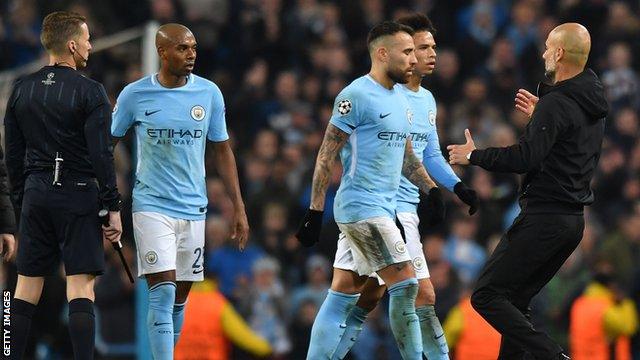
82,328
21,314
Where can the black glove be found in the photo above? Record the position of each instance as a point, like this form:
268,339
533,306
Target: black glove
309,230
467,195
431,207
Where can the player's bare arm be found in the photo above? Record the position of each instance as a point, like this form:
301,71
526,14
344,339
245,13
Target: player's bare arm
226,165
334,140
414,170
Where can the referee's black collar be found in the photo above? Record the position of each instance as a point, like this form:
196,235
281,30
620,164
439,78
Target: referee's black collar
58,66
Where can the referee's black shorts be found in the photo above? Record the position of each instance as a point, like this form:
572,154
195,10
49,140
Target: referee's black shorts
60,222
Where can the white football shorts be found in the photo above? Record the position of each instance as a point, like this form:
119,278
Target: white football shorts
370,245
345,260
165,243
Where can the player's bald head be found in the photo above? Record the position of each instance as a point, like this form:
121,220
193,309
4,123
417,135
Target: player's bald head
176,48
574,39
170,34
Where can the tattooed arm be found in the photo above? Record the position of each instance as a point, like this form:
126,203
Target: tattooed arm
414,170
334,140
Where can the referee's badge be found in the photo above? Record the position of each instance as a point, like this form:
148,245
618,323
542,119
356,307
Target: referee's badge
49,80
151,257
197,113
432,118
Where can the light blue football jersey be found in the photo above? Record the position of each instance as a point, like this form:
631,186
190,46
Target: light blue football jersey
426,145
170,126
378,121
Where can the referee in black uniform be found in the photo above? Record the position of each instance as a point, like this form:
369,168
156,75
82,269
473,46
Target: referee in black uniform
60,165
558,154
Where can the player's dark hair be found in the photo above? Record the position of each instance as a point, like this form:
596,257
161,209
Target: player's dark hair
386,28
58,28
418,22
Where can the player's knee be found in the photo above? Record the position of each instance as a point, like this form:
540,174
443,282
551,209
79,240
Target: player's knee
345,287
368,301
347,282
406,270
182,291
157,278
368,306
397,272
426,295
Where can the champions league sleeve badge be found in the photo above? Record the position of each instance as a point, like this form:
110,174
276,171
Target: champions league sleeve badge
344,107
197,113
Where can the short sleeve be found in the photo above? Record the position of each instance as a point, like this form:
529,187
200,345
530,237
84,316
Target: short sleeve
123,112
346,110
217,131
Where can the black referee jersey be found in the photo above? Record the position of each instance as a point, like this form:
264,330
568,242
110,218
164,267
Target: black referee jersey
58,110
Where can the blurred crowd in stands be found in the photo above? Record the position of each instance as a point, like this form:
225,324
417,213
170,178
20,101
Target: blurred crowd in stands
279,64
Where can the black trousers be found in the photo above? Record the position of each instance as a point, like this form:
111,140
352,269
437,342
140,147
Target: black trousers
527,257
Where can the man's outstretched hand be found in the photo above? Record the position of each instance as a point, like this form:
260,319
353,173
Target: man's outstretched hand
7,246
458,154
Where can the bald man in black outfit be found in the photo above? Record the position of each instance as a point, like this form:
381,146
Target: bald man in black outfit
558,155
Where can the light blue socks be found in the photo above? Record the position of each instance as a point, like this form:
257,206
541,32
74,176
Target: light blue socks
434,343
160,320
178,320
403,318
329,325
354,327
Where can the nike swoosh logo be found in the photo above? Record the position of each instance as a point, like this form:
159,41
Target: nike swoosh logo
384,116
158,324
343,326
306,224
353,339
198,271
439,336
147,113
